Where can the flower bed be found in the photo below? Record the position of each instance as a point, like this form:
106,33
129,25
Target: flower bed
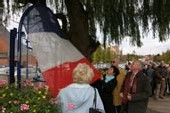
30,98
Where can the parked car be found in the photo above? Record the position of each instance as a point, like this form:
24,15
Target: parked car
101,65
4,70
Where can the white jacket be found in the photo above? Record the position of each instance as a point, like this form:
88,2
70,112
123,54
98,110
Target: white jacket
78,98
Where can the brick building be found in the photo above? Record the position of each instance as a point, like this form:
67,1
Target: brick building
4,50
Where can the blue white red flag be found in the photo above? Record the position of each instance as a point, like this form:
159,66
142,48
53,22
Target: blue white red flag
56,56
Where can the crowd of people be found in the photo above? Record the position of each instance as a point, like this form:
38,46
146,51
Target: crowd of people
159,77
118,90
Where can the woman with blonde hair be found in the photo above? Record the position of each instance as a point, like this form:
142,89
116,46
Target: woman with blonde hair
78,96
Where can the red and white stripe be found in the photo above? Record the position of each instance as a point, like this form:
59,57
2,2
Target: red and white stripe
57,58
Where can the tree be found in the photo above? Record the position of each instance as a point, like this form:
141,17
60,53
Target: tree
116,18
103,55
109,55
166,56
98,55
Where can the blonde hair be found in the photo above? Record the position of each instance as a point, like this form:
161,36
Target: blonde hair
82,73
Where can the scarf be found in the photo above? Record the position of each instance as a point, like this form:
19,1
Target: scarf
129,87
108,78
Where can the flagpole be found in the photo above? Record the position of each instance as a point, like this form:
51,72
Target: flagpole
13,34
19,56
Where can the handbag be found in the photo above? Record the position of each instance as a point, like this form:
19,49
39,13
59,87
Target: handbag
91,109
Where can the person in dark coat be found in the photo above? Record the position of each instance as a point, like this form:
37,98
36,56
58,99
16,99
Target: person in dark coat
136,90
161,76
105,86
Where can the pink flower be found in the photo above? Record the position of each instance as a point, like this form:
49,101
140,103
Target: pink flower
27,83
70,106
16,102
24,107
3,82
39,86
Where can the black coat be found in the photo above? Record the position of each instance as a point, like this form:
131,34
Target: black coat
105,91
139,101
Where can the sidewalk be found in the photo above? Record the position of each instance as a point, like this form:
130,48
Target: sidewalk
161,106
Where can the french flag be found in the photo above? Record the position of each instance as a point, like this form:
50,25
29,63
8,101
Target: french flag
56,56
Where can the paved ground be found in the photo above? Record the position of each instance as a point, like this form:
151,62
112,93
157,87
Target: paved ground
160,106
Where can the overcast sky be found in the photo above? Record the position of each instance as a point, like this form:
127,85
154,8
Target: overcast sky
150,47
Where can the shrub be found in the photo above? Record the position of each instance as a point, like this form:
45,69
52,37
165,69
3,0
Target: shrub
30,98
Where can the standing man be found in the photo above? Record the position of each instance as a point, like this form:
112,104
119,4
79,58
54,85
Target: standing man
168,80
136,90
161,75
117,100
